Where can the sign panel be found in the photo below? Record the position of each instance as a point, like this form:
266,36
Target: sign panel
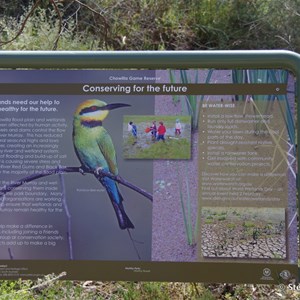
179,175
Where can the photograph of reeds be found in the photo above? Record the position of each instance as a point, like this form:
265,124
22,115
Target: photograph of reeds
175,182
178,226
243,232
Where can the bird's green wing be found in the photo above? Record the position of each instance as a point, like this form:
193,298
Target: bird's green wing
108,151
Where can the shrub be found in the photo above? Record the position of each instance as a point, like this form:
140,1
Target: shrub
41,32
155,25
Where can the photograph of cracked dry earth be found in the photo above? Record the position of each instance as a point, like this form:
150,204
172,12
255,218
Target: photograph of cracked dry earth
236,195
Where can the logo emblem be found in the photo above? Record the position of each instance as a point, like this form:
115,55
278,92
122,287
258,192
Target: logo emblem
285,274
266,272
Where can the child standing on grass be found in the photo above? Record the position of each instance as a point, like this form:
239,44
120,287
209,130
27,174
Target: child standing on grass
153,131
129,127
178,127
161,131
133,131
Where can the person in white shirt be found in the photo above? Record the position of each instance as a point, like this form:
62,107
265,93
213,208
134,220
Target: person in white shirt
178,127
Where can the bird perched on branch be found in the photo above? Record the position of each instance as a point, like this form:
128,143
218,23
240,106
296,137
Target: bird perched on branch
95,150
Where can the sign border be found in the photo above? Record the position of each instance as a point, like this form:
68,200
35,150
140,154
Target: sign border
217,59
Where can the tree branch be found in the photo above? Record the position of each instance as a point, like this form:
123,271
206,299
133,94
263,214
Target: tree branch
7,188
59,25
23,24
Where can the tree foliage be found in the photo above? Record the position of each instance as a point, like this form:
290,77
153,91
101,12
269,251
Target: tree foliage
150,24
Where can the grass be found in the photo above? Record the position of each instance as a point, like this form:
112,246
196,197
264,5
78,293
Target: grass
96,290
209,221
248,224
130,141
221,218
169,120
170,149
190,231
47,288
145,148
231,225
190,104
236,213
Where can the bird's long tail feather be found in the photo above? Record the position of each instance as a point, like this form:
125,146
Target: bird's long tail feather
116,200
123,219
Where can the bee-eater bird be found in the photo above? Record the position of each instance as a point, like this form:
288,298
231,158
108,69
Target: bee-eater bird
95,150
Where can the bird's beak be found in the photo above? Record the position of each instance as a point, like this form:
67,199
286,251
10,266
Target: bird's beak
112,106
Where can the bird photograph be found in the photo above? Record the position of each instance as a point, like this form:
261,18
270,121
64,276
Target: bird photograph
114,218
95,150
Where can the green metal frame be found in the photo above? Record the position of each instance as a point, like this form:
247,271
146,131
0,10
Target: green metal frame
261,59
151,59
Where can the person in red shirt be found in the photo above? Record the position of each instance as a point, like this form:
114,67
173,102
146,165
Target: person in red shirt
161,131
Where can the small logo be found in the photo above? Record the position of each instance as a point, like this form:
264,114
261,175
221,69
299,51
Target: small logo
266,272
285,274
